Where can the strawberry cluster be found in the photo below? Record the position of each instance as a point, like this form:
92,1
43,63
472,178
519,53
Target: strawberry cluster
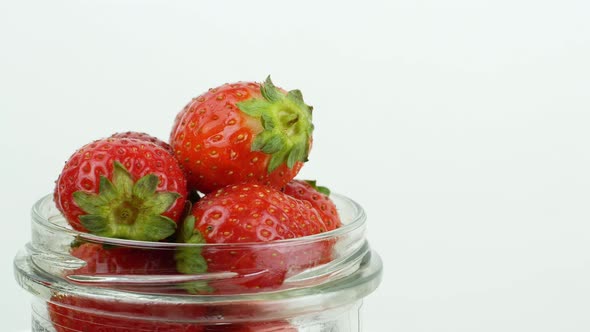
226,176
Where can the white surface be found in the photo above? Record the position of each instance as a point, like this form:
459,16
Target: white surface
461,126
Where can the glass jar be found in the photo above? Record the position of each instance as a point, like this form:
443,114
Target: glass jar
82,282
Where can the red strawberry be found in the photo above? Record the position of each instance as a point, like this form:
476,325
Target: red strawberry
71,313
277,326
248,213
74,314
122,260
143,137
319,199
124,188
243,132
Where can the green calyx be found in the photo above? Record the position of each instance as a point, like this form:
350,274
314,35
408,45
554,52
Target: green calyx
189,260
286,122
320,189
127,209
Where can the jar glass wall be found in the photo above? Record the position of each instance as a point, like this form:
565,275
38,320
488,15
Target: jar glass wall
134,285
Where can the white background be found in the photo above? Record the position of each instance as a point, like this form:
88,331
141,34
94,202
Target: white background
462,127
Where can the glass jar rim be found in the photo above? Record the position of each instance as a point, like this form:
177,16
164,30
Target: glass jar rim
358,219
353,274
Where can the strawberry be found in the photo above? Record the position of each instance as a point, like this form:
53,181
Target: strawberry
73,314
319,199
243,132
248,213
276,326
143,137
124,188
243,312
122,260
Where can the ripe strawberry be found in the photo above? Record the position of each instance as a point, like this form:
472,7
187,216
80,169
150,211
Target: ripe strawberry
245,312
243,132
249,213
124,188
143,137
73,314
102,260
319,199
276,326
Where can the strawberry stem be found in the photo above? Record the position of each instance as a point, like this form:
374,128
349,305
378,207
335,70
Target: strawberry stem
287,125
127,209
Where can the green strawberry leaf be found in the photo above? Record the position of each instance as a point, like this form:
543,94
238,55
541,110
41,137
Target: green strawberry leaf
269,91
161,202
272,145
275,161
295,155
253,107
90,203
320,189
107,190
268,122
122,180
296,97
189,260
127,209
146,187
155,227
287,125
95,224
